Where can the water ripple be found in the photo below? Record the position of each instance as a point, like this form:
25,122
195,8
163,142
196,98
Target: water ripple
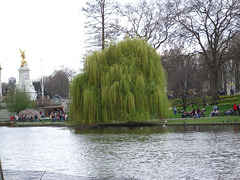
122,153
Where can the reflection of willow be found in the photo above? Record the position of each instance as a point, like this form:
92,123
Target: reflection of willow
124,82
147,130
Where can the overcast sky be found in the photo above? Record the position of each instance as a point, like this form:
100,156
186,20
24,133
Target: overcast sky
51,30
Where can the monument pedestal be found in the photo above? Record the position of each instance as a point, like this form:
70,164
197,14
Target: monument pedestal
25,84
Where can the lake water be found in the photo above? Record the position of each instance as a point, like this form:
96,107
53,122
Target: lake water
174,152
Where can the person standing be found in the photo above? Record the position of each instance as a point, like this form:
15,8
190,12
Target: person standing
235,109
198,112
36,118
238,108
194,112
175,110
31,118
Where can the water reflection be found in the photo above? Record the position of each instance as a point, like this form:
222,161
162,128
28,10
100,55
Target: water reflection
122,130
157,129
173,152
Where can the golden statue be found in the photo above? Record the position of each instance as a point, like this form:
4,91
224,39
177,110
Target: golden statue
23,62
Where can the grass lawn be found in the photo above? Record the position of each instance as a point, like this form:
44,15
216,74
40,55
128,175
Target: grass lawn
224,103
181,121
208,120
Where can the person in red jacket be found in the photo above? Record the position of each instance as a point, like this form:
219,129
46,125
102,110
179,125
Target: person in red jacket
235,109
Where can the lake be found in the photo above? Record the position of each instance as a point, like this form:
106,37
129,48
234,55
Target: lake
172,152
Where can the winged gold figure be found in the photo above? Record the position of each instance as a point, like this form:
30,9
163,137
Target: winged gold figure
23,62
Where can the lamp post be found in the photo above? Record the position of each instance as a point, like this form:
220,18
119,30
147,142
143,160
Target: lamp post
42,85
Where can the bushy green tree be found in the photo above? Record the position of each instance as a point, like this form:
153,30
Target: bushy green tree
18,100
125,81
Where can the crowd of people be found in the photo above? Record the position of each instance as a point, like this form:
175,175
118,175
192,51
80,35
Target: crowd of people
17,118
194,113
214,112
235,111
57,116
197,113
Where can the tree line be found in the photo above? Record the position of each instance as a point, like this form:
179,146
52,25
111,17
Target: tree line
198,39
56,83
199,42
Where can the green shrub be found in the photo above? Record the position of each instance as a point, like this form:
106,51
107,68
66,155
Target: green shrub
18,100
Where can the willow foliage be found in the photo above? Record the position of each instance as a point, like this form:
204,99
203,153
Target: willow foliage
125,82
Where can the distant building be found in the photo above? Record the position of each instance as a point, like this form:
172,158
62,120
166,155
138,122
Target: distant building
12,80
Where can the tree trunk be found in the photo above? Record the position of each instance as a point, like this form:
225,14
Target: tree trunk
237,85
184,99
103,33
225,84
214,86
224,79
184,105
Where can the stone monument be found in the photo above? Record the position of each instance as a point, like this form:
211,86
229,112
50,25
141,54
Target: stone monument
25,84
0,82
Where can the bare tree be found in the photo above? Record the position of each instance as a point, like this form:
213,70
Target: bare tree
37,87
234,51
183,73
58,82
101,24
7,87
212,25
148,20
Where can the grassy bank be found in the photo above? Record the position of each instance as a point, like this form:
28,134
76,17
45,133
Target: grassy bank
180,121
209,120
33,124
224,103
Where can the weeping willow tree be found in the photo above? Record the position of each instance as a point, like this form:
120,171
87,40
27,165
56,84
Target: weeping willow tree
125,82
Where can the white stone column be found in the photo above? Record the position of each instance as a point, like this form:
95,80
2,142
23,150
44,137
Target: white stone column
23,74
25,84
0,80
